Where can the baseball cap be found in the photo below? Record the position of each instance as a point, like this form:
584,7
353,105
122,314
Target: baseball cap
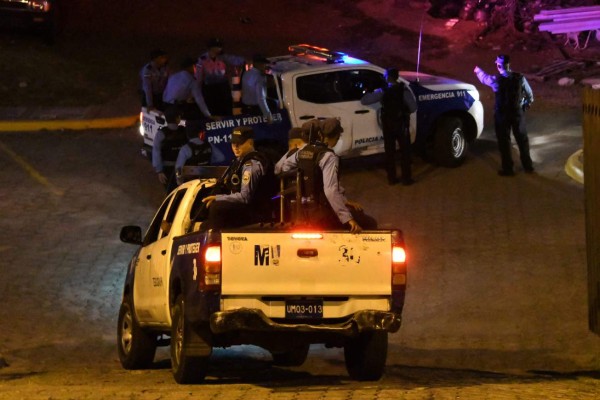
214,42
241,134
193,128
502,59
154,54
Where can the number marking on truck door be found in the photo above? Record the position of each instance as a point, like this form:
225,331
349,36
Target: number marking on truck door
263,254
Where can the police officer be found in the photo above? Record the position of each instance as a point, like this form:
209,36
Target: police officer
249,184
397,103
513,96
165,147
197,151
297,139
211,73
154,77
184,94
254,89
323,197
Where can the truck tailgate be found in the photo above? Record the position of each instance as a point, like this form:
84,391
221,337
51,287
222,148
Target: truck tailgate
339,263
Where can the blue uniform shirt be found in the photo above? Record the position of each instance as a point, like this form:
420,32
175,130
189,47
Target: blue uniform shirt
154,81
181,87
252,171
254,90
492,81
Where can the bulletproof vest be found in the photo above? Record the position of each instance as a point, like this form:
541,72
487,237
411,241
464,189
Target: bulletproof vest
267,185
173,141
312,176
201,154
510,92
392,102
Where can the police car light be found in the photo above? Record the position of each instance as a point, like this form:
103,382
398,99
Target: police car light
307,235
319,52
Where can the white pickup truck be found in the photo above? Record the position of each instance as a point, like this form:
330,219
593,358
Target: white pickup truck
313,82
273,285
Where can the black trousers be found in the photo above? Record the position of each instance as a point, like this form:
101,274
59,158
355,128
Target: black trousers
226,214
504,124
396,131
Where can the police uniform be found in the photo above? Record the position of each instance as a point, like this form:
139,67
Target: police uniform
323,197
213,78
154,81
248,187
397,103
184,93
165,148
254,90
197,151
512,96
289,161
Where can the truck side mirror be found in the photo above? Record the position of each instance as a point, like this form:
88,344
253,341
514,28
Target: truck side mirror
131,234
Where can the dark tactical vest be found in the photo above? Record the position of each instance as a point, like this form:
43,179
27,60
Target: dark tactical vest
393,107
201,154
267,185
172,143
312,176
510,93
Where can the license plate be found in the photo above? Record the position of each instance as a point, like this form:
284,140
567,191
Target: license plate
299,309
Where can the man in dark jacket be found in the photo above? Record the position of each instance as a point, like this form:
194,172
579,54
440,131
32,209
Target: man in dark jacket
513,96
397,103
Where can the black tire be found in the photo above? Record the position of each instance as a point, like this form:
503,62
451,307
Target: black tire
291,358
365,355
450,142
186,369
135,345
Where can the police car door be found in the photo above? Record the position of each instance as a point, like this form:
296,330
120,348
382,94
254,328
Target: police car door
142,284
160,262
337,93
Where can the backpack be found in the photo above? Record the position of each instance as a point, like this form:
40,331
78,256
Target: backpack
201,154
510,92
392,102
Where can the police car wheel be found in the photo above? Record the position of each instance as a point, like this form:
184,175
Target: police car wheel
450,143
365,355
185,369
136,347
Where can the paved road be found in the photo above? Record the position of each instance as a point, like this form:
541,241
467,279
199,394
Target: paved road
496,306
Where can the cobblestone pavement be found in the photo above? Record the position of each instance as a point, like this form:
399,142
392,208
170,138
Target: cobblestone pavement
496,305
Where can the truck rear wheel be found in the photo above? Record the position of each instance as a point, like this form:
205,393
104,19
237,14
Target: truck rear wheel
291,358
365,355
136,346
185,368
450,143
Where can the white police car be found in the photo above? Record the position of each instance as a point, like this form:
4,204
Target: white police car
313,82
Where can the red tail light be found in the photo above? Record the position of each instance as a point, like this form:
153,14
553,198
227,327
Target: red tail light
210,269
398,261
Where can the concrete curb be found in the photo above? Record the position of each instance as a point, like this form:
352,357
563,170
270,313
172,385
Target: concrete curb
574,166
54,125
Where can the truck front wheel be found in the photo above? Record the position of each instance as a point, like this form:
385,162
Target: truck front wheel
450,143
365,355
136,346
185,368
